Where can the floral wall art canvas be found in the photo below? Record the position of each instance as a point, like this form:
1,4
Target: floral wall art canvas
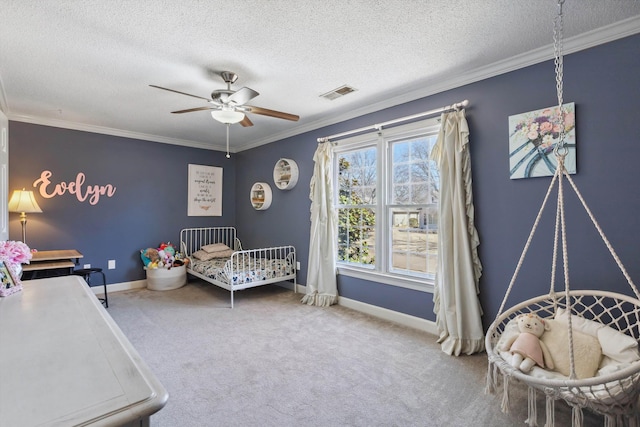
532,138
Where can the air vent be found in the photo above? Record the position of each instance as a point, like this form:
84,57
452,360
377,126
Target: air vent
337,93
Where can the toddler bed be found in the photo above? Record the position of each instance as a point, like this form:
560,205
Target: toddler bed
216,256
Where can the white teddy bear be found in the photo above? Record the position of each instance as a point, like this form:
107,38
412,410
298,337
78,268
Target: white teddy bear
527,348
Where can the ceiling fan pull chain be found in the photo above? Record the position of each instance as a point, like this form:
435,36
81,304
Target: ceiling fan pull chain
228,155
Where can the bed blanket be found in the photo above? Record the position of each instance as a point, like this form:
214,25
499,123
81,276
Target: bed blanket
245,269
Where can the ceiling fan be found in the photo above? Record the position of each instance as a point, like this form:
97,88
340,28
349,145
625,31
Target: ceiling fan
229,106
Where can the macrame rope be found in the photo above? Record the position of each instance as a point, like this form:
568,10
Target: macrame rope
490,386
532,413
604,238
505,394
554,261
526,246
576,416
565,258
550,411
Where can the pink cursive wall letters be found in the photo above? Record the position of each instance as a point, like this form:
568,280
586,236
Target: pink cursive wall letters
92,192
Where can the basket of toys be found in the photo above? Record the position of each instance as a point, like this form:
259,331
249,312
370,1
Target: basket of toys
165,268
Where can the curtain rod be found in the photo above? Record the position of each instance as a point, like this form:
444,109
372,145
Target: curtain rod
379,126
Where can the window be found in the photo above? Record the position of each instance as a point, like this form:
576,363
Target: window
387,192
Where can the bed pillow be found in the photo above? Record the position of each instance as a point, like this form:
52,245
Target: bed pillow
615,344
223,254
215,247
579,323
587,352
203,256
618,346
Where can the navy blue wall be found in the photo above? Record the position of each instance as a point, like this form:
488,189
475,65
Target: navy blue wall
286,222
602,81
148,207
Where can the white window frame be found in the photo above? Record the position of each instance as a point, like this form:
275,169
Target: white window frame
381,141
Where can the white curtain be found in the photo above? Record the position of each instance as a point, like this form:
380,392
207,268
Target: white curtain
456,303
322,288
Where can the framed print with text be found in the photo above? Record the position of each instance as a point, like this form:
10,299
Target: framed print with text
205,191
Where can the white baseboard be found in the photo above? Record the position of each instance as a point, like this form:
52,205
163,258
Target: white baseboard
119,287
384,313
390,315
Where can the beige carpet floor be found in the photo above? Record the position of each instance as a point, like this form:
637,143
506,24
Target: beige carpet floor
272,361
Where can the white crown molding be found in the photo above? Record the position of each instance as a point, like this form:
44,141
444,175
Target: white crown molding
574,44
112,131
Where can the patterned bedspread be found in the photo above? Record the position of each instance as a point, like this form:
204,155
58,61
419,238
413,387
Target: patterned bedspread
245,270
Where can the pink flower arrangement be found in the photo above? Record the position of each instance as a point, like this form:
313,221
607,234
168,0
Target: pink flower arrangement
543,130
14,252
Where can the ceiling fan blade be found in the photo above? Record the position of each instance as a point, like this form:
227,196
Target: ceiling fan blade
246,122
271,113
190,110
242,96
181,93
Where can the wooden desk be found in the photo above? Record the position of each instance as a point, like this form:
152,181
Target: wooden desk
62,259
66,362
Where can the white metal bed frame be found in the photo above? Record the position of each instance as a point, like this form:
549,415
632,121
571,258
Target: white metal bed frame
192,239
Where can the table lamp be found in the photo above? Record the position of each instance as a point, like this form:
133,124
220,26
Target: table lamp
24,202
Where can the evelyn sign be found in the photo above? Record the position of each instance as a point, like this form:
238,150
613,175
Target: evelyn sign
77,187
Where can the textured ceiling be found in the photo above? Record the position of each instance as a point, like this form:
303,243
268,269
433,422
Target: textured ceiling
88,64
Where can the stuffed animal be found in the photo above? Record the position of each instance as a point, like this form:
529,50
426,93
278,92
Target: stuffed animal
168,248
526,347
149,255
166,258
180,259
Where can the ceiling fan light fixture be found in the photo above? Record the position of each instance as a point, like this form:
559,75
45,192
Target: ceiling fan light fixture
227,116
229,106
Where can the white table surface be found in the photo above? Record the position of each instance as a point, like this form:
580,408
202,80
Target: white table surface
65,362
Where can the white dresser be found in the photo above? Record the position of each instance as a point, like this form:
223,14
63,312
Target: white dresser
65,362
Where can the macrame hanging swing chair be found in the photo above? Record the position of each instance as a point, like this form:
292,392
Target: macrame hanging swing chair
611,317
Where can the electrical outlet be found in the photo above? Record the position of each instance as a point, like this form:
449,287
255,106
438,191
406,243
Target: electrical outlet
112,264
86,266
298,265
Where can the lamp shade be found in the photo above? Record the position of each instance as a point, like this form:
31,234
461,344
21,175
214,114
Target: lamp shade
227,116
23,201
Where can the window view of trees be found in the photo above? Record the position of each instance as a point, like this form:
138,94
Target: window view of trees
405,199
356,198
415,177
